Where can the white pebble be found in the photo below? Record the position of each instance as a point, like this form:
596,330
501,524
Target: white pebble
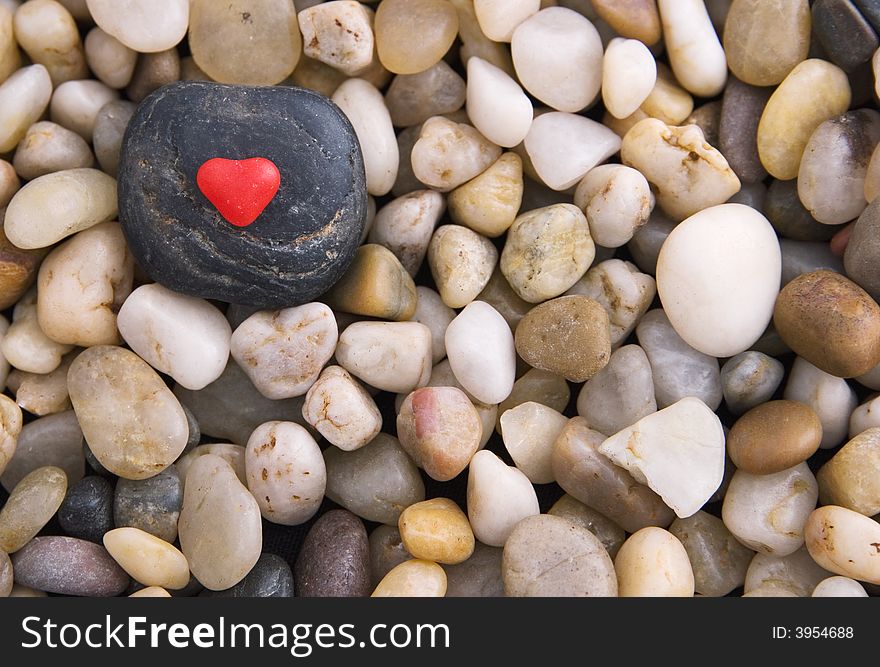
830,397
391,356
694,49
617,200
143,25
341,410
24,97
496,104
629,73
499,18
498,497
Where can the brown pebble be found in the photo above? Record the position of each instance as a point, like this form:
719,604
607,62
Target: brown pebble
153,70
18,270
831,322
335,558
637,19
774,436
569,336
69,566
851,478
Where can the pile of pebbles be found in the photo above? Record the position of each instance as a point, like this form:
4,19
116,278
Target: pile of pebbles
611,328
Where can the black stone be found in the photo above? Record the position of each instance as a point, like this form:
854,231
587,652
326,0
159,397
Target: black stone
305,238
94,463
846,35
790,218
870,9
335,558
152,504
87,510
271,577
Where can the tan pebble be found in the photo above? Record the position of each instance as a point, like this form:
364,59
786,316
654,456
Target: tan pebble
9,183
500,295
151,592
437,530
412,35
149,560
376,285
529,432
413,98
616,201
448,154
10,428
25,345
341,410
499,18
498,497
831,322
24,97
844,542
693,47
10,56
813,92
440,429
609,533
413,579
48,34
6,577
43,393
142,25
629,73
774,436
18,270
488,204
339,33
234,455
153,70
436,315
850,479
568,336
31,505
75,105
111,60
405,225
309,73
653,563
48,147
637,19
461,262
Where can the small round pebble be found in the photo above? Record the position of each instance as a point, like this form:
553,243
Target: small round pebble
843,542
87,510
653,563
334,560
436,530
498,497
152,505
148,559
413,578
30,506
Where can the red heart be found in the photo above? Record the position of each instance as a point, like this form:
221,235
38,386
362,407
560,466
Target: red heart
240,189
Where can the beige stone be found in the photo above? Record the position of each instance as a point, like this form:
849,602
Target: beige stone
489,203
844,542
437,530
341,410
850,478
412,35
461,262
653,563
149,560
413,579
31,505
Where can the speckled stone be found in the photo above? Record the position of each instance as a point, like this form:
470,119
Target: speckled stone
153,504
87,510
304,239
335,558
69,566
271,577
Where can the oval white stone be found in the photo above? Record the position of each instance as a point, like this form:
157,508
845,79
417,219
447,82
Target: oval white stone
498,497
629,73
496,104
718,277
143,25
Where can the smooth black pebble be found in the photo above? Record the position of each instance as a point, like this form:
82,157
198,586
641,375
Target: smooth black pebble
271,577
87,510
151,504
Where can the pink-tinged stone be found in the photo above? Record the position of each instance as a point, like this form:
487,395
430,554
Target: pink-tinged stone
69,566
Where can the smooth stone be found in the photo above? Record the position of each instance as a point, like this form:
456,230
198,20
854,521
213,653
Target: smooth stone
550,556
564,147
678,369
47,148
220,530
18,270
648,239
764,40
182,336
10,56
141,25
54,440
75,105
788,216
537,386
849,479
391,356
842,542
81,286
749,379
461,263
110,60
562,233
271,577
616,201
69,566
478,576
767,513
440,429
694,49
557,54
386,552
376,482
334,560
872,175
234,455
481,352
412,35
727,249
500,295
594,480
774,436
668,102
797,573
151,505
839,587
341,410
653,563
567,336
637,19
844,33
6,575
799,257
24,345
30,506
285,472
283,351
133,423
285,258
770,591
230,408
628,76
436,315
718,560
24,96
437,530
413,98
529,432
831,176
413,578
448,153
609,533
87,510
498,497
682,442
687,173
338,34
741,112
489,203
475,43
620,394
110,125
496,104
261,50
863,251
829,396
499,18
375,285
147,559
824,306
10,428
404,226
813,92
864,417
153,71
